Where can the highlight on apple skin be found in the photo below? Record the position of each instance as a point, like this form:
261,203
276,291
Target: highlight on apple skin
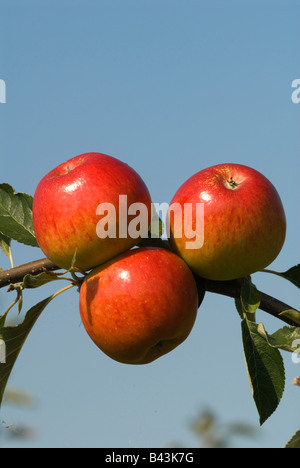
65,204
244,222
140,305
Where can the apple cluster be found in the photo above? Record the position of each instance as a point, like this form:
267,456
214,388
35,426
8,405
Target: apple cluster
138,303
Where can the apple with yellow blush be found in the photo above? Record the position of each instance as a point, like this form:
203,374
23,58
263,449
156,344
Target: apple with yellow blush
65,208
243,222
140,305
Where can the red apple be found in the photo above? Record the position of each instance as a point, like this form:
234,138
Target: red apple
65,204
243,222
140,305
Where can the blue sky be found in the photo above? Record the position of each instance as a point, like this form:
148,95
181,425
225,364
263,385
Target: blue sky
170,87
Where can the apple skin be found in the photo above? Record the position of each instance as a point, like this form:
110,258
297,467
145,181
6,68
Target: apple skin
244,222
140,305
65,204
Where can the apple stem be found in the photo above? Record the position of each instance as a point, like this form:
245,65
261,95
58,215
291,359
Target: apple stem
62,290
233,184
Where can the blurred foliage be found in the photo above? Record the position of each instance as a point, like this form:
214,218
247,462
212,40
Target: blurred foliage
20,398
211,433
296,381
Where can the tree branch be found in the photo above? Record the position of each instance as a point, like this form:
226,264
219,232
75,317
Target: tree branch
268,304
232,289
16,274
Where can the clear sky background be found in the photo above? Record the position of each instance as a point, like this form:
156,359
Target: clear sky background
170,87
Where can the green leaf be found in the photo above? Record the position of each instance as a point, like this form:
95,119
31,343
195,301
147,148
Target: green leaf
292,314
294,442
16,216
265,370
292,275
35,281
156,226
239,307
13,338
2,320
286,338
250,297
5,245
